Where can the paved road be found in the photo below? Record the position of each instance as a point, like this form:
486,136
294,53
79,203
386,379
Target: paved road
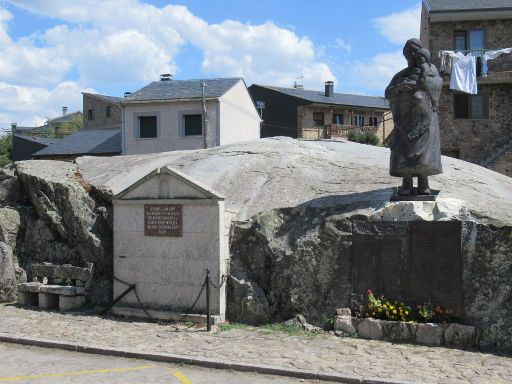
325,353
21,364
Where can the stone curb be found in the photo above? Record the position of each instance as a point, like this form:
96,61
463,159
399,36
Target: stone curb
201,362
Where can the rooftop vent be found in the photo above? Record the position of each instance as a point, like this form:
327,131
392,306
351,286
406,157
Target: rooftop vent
126,94
13,127
64,111
329,88
165,77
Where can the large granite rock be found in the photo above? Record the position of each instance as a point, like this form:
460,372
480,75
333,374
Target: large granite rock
291,240
65,223
10,273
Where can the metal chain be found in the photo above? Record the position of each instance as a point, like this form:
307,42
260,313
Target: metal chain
223,280
191,308
137,296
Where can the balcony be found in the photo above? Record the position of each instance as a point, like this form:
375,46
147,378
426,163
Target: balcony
334,131
499,69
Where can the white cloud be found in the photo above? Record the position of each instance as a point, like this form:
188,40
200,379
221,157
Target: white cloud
107,42
399,27
377,72
340,43
31,106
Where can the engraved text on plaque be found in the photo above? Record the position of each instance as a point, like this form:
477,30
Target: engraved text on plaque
163,220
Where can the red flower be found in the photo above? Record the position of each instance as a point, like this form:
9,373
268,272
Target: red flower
369,292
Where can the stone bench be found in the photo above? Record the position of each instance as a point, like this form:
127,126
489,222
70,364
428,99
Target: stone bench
56,286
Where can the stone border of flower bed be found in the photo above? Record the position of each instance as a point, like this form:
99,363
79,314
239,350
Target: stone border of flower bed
429,334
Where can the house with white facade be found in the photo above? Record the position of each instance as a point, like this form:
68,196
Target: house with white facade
167,115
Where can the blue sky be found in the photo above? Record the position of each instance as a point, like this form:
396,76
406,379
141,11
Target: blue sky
52,50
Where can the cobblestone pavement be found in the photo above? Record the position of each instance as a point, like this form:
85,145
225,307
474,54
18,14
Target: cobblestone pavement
328,353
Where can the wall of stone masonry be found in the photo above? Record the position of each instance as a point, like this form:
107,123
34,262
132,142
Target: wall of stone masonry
101,120
498,33
477,139
503,165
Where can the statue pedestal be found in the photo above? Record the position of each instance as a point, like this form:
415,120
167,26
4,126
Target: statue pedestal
415,196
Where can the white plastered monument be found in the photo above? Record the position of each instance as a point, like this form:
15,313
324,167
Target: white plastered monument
168,230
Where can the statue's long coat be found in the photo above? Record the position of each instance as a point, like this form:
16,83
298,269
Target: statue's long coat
416,148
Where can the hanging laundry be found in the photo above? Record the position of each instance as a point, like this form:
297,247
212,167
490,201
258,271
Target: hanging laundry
463,75
490,55
445,61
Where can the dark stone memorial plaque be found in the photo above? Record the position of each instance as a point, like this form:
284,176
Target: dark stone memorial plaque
378,257
435,264
163,220
412,261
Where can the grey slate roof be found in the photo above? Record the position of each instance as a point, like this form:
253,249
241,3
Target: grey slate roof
110,99
467,5
182,89
37,139
86,142
336,99
65,118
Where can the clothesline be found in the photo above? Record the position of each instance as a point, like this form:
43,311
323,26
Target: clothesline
463,67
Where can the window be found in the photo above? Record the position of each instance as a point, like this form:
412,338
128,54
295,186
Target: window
373,121
147,127
357,120
90,114
193,125
473,41
337,118
318,119
471,106
108,111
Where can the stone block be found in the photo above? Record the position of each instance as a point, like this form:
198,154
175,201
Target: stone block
370,329
430,334
67,303
30,287
65,290
461,336
344,312
399,331
28,298
344,324
48,300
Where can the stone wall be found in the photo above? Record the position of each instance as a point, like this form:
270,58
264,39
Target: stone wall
99,107
503,165
477,139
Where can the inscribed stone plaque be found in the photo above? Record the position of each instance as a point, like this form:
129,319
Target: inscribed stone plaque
163,220
435,264
412,261
378,257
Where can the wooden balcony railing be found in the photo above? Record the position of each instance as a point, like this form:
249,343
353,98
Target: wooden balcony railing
334,131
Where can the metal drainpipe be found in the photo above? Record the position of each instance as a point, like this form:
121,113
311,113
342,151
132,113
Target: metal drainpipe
205,117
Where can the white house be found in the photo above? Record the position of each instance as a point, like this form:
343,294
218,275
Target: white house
167,115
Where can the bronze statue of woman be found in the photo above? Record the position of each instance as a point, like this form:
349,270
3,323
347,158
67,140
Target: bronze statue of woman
414,97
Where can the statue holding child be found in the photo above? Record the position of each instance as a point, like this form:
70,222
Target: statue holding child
414,97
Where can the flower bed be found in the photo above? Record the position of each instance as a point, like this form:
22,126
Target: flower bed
425,324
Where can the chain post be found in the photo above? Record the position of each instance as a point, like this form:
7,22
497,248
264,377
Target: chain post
208,309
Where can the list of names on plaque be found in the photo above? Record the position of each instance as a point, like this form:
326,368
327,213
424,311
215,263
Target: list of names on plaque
163,220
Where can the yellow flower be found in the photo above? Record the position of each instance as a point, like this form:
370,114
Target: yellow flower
380,309
383,305
406,312
394,312
391,307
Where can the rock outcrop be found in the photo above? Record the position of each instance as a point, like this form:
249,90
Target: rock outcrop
291,240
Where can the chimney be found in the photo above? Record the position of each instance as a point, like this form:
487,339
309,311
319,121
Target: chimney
64,111
329,88
13,127
126,94
165,77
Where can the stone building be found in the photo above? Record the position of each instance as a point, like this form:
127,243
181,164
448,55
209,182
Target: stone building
475,128
101,111
315,115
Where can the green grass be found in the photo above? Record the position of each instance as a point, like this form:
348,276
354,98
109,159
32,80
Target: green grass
270,328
